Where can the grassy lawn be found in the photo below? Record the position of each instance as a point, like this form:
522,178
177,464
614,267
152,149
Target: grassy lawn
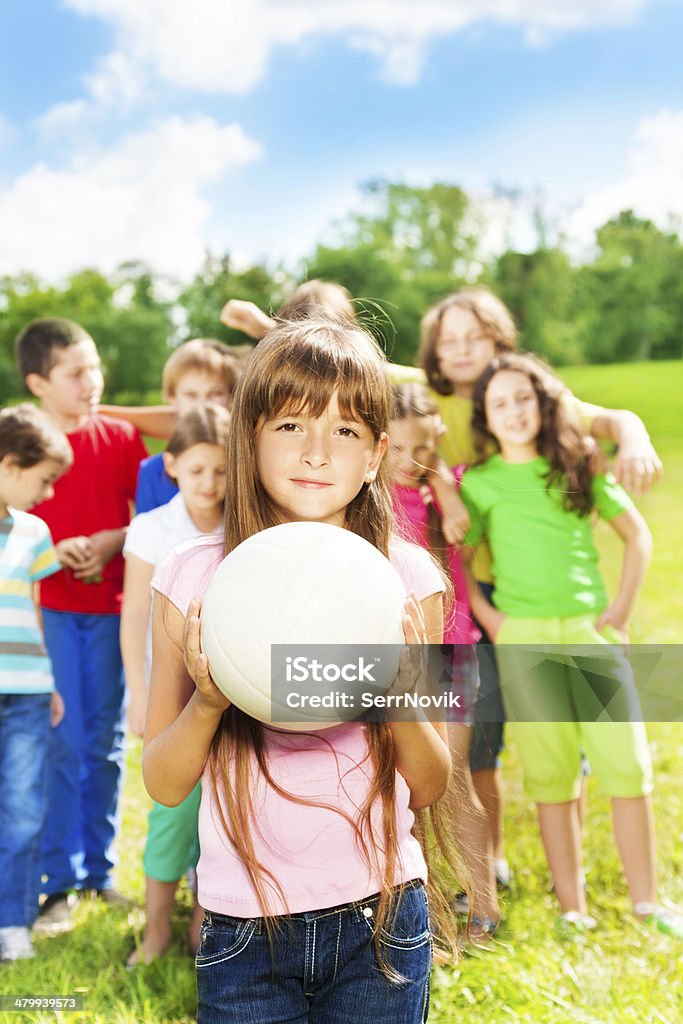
621,973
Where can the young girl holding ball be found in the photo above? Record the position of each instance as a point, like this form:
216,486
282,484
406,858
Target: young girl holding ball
316,906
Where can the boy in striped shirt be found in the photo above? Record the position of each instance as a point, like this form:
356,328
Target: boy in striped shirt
33,454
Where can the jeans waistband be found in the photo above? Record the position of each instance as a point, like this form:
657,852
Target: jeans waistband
354,906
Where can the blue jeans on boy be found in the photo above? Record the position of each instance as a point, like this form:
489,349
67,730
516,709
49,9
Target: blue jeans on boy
323,970
87,751
24,745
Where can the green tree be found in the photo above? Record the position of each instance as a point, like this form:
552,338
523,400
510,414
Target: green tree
630,297
539,289
217,281
22,299
412,248
130,326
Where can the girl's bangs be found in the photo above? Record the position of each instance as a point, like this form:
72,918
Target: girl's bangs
308,385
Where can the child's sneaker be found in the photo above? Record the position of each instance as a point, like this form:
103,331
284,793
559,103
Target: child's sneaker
662,919
15,944
54,915
460,904
112,897
574,923
503,873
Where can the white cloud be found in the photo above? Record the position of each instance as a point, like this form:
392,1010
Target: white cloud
215,45
61,118
652,188
142,199
118,80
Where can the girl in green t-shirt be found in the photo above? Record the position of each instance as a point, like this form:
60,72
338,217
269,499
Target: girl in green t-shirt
533,501
459,337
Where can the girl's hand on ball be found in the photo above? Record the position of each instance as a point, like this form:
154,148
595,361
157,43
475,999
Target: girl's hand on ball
414,626
413,659
197,663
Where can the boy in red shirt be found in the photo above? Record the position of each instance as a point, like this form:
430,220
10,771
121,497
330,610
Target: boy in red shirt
81,605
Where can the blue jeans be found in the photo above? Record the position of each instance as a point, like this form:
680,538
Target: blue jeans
24,744
87,751
323,968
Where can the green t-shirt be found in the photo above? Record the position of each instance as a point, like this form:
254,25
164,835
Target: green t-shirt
457,444
545,563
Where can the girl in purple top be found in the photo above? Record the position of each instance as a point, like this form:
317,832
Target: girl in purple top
313,866
415,431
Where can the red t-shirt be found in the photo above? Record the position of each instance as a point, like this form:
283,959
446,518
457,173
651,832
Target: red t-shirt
92,496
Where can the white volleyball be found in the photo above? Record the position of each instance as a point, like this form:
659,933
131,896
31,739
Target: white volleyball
299,584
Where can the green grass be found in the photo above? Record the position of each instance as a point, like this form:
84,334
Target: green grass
619,974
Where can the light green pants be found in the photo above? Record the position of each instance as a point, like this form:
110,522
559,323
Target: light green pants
562,702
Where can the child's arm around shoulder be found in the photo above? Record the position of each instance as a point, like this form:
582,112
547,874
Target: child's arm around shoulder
185,706
153,420
421,747
638,465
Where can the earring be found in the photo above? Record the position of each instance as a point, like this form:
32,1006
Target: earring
369,478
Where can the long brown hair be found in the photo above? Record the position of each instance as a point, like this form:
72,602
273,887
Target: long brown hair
301,365
560,440
493,316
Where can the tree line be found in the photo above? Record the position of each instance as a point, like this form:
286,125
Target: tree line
623,303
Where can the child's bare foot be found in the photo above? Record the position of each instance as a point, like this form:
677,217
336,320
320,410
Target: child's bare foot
153,945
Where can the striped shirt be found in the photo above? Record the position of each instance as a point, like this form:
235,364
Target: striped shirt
26,556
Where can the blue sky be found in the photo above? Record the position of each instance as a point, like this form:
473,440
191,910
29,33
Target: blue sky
152,129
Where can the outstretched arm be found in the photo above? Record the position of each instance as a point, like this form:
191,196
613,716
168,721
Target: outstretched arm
153,420
421,747
185,706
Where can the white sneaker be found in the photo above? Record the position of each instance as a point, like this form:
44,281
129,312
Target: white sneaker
574,923
15,944
503,873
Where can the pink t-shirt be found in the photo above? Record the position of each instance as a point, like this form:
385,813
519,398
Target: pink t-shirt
312,851
412,520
